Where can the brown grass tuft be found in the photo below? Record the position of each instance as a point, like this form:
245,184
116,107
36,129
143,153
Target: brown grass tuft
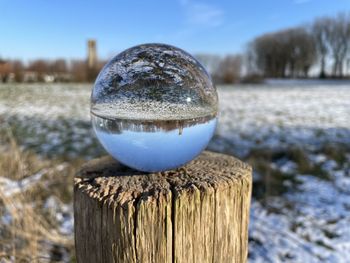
28,233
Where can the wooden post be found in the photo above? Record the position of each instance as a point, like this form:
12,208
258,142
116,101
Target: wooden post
197,213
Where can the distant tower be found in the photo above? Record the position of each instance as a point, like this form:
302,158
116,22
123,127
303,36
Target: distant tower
92,55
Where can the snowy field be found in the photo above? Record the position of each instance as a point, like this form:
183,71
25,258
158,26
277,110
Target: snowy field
296,137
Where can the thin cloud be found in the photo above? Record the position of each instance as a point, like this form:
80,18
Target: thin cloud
202,14
298,2
184,2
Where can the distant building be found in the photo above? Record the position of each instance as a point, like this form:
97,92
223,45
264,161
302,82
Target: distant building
92,54
92,62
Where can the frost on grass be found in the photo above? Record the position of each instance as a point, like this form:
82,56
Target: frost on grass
296,137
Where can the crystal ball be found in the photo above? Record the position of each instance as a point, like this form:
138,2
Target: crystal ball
154,107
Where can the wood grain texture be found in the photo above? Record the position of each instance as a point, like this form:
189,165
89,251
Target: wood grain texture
197,213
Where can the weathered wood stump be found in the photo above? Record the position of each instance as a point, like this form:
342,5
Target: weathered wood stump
197,213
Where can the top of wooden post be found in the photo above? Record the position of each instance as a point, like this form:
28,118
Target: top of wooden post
196,213
105,178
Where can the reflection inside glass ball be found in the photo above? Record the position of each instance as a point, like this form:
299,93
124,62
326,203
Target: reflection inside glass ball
154,107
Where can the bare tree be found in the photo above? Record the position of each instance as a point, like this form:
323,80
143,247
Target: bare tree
5,70
40,67
209,61
301,51
250,58
229,69
18,69
79,71
320,31
59,66
338,38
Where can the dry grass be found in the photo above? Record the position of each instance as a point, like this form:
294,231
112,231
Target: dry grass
28,232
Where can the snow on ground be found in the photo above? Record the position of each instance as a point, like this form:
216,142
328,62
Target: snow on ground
272,116
301,205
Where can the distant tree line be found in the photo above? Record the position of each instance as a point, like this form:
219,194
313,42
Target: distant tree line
223,70
41,70
292,52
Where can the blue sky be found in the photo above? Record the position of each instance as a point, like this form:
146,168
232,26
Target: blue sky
52,29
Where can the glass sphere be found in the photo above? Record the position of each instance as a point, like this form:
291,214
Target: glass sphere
154,107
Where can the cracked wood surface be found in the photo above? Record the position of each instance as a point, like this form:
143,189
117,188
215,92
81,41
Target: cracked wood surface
196,213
